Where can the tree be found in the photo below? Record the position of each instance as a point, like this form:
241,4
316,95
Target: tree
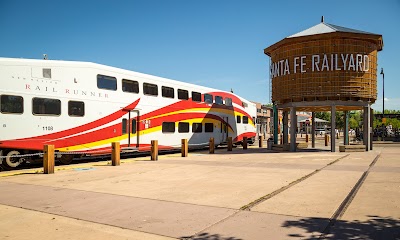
323,115
354,119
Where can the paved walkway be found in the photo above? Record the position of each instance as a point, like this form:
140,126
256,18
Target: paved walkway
253,194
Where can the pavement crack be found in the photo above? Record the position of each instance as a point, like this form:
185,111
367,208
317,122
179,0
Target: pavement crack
248,207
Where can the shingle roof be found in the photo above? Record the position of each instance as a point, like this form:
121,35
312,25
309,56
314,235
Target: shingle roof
323,27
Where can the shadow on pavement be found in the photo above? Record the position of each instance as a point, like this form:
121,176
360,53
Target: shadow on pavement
207,236
376,228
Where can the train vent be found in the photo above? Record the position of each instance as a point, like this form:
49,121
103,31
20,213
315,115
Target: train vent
41,72
47,72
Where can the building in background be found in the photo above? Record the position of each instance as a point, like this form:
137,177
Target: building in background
263,120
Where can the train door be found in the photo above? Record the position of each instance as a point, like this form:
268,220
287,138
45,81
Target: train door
224,129
130,127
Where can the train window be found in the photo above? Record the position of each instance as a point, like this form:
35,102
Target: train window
11,104
150,89
124,126
76,109
197,127
167,92
130,86
208,98
245,105
133,126
183,127
168,127
46,106
183,94
106,82
219,100
228,102
238,119
245,120
47,72
196,97
209,127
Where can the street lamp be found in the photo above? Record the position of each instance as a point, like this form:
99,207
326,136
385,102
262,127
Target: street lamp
383,93
383,104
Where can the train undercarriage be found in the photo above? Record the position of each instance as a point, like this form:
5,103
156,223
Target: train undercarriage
13,158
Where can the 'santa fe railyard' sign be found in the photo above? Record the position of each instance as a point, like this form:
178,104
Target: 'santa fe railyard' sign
321,63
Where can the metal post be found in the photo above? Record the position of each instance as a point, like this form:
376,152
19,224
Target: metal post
260,141
313,129
333,128
346,128
383,103
366,128
293,125
285,119
371,122
276,116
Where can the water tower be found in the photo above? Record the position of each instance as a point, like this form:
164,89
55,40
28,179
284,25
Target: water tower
324,68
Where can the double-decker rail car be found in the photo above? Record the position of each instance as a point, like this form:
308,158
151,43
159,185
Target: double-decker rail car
81,107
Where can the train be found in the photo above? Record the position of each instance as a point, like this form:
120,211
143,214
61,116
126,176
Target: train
82,107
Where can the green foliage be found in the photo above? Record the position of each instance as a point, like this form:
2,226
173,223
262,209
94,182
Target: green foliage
323,115
355,119
389,121
387,111
268,105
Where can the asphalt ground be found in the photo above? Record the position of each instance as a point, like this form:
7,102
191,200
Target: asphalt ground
244,194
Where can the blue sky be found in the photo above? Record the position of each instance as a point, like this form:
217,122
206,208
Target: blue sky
214,43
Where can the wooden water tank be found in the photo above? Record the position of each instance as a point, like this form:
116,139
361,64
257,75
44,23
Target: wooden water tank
325,62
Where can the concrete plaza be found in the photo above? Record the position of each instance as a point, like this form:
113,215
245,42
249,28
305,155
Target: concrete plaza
244,194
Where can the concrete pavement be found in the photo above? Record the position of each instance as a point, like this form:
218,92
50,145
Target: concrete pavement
288,196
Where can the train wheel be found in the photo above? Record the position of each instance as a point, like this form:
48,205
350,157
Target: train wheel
66,159
11,162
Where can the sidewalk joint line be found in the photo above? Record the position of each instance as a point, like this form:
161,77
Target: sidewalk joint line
211,225
348,199
276,192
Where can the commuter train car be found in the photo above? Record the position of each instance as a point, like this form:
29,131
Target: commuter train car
82,107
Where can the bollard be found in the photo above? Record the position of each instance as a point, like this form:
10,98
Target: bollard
244,143
326,139
185,148
211,145
230,143
281,139
260,141
337,135
115,155
48,159
154,150
306,138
